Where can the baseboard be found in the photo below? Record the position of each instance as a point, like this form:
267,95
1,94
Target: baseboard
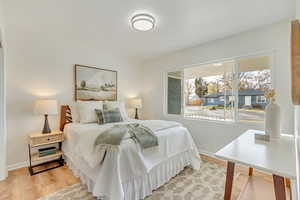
207,153
17,165
3,177
3,171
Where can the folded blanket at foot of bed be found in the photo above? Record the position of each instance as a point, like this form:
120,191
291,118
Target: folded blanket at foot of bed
112,137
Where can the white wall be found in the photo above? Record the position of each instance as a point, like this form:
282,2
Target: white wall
40,63
298,9
3,138
211,136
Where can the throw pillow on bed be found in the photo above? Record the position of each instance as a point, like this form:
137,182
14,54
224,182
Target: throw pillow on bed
99,114
111,112
120,105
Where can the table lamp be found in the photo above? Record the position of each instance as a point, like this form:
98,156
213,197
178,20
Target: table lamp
46,107
137,104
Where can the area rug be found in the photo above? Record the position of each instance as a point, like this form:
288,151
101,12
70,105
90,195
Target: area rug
204,184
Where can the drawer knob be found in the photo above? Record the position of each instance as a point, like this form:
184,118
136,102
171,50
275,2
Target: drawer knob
48,139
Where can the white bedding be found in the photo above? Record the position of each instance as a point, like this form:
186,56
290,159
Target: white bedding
130,161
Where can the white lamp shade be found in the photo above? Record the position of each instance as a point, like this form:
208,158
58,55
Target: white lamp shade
45,107
136,103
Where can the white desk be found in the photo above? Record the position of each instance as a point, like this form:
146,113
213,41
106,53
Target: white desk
276,157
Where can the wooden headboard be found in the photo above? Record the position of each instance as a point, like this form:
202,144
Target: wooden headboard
65,116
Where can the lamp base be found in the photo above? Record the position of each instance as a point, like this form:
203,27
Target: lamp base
136,114
46,128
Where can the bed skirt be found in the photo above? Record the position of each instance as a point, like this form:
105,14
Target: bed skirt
140,187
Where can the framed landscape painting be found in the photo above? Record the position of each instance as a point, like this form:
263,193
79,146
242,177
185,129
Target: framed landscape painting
95,84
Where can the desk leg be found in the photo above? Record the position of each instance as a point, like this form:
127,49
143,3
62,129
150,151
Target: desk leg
250,173
279,187
229,180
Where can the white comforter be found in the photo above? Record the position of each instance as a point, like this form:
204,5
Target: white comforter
119,166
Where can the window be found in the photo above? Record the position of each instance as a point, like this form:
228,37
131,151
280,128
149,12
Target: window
254,80
207,84
261,99
226,91
174,92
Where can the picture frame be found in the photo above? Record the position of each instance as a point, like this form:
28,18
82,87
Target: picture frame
95,84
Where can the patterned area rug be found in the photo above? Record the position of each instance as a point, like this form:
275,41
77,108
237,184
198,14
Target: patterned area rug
205,184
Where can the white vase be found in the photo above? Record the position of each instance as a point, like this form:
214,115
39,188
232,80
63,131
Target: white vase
272,120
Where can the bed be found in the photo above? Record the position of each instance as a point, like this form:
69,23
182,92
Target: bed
131,173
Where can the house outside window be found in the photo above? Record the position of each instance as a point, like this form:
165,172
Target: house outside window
211,100
261,99
232,90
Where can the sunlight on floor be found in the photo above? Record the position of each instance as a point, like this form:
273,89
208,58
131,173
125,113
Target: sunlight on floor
259,188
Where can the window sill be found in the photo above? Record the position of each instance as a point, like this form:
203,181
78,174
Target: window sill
180,117
250,123
208,120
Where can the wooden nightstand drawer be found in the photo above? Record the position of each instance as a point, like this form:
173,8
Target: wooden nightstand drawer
42,139
46,140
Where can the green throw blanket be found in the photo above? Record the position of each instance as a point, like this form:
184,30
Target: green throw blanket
139,133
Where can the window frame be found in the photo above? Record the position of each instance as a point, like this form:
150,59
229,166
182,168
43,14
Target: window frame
270,53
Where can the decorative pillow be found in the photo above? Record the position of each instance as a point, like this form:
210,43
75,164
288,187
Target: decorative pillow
87,112
99,114
120,105
111,112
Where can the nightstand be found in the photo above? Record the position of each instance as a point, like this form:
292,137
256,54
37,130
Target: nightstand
38,141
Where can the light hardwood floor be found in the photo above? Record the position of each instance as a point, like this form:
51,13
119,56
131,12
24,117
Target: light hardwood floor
21,186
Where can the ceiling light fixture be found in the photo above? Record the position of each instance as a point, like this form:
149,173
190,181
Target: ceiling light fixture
142,22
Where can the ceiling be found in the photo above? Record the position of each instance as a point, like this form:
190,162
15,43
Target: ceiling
105,24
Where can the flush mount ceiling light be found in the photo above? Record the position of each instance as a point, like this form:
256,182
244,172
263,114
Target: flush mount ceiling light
142,22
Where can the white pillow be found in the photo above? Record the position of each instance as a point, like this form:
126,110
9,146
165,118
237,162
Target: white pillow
121,106
74,112
123,111
87,112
